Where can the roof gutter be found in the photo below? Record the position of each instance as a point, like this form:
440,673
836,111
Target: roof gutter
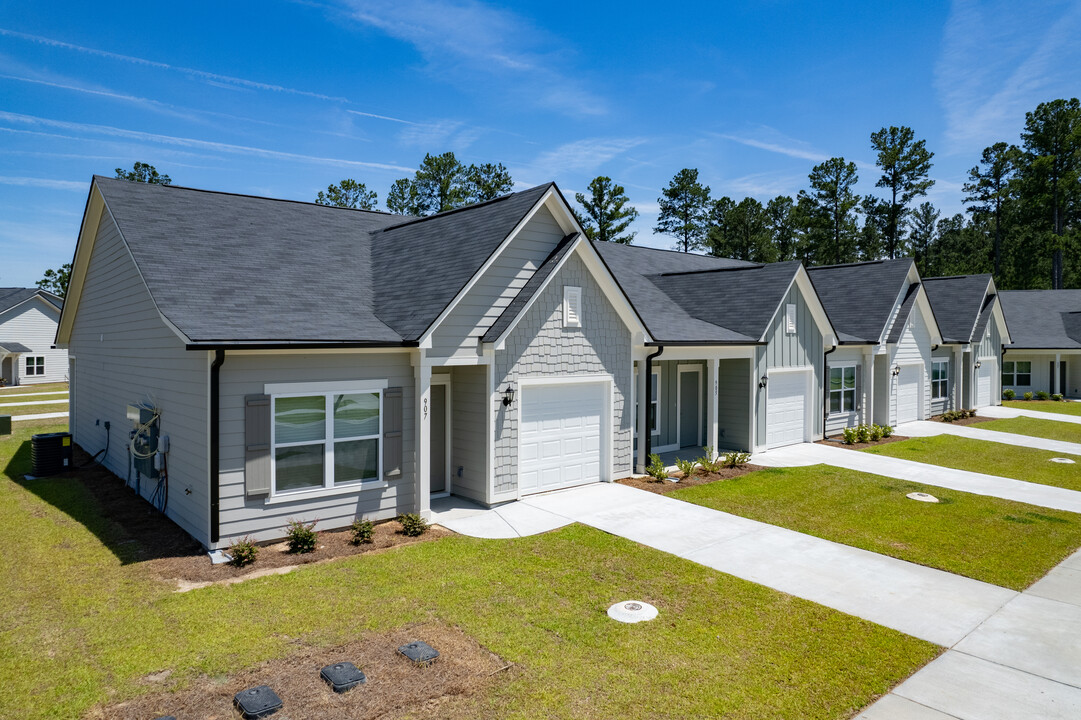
301,345
826,389
645,432
700,343
215,445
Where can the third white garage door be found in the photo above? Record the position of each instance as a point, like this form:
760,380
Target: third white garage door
786,412
560,436
985,374
908,394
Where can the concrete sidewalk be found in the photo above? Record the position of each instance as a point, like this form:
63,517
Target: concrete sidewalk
39,416
804,454
998,411
925,428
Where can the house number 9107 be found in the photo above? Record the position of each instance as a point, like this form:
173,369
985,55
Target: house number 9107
425,408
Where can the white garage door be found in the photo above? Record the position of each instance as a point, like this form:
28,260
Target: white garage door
785,410
984,374
908,394
560,436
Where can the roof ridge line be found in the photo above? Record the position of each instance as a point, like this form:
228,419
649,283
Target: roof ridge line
445,213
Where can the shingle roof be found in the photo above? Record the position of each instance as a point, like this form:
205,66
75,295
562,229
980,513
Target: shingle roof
12,296
13,347
958,302
684,298
530,289
859,297
903,312
228,268
1043,318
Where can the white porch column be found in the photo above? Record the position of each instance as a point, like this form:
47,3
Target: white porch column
868,385
423,373
642,393
1056,379
713,367
957,363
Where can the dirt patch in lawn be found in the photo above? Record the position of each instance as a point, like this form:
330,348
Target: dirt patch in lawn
663,488
839,441
137,533
395,686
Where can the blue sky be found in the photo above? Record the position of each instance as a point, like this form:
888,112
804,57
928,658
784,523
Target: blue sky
284,98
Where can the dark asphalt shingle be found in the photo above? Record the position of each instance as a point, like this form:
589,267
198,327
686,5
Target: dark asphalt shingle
859,297
958,301
12,296
13,347
1043,318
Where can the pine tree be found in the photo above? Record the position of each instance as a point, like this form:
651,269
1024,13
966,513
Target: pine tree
348,194
922,225
607,212
684,210
905,163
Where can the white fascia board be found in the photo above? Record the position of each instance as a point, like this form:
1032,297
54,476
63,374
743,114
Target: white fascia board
84,248
425,340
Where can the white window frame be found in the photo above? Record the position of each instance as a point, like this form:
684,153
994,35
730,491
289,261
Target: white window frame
327,391
655,402
843,389
944,380
1014,373
572,306
790,318
35,365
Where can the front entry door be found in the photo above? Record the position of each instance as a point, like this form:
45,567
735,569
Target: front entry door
1061,377
688,409
438,460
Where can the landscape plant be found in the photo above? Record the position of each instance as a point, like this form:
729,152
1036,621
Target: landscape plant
736,459
243,551
656,468
1008,394
362,531
686,467
413,525
709,462
1027,396
301,536
1043,395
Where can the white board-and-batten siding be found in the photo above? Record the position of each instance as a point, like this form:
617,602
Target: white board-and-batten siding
33,324
913,347
482,305
247,374
124,355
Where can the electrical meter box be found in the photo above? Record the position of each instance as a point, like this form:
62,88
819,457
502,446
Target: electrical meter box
144,421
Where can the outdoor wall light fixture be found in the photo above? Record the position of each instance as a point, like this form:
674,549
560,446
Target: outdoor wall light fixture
763,381
508,396
896,370
978,363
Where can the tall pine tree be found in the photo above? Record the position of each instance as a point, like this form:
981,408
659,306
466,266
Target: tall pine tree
905,163
684,210
607,212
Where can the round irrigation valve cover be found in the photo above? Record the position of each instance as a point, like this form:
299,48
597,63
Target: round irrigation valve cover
632,611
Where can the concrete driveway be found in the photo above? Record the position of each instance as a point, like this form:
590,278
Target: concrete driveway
926,428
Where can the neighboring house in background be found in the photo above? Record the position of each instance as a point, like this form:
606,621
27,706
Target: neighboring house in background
28,319
323,363
966,367
880,372
735,360
1045,355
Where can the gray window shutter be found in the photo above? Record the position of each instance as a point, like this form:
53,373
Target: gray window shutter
859,388
256,444
392,432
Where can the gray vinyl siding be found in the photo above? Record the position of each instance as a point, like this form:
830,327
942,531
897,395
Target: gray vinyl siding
243,375
482,305
125,354
668,401
469,399
941,405
33,324
846,355
913,347
968,398
798,349
541,347
1041,372
734,405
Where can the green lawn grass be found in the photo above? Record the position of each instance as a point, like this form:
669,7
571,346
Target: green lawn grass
21,389
1012,461
998,541
1050,429
33,409
1066,408
78,627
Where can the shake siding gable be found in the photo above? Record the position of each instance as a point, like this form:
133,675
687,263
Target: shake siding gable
490,295
247,374
539,346
33,324
125,354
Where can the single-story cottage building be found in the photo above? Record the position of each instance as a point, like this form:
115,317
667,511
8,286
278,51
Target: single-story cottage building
965,367
880,372
1045,352
28,320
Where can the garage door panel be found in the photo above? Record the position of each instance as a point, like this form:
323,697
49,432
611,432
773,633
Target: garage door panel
560,436
984,375
908,394
786,408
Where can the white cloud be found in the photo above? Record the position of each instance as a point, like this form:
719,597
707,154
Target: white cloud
48,183
796,151
1001,59
577,157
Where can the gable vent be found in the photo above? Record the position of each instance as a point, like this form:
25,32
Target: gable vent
572,306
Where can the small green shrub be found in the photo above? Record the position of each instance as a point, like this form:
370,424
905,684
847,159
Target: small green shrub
952,415
887,431
243,551
736,459
971,413
875,433
1027,396
851,435
709,462
1057,397
1008,394
301,536
656,468
863,433
363,531
686,467
413,525
1042,395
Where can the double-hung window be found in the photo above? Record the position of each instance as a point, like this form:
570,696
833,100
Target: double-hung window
940,379
842,388
1018,374
326,440
35,365
654,399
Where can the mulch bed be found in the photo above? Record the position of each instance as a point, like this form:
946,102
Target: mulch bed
137,533
395,687
966,421
663,488
839,442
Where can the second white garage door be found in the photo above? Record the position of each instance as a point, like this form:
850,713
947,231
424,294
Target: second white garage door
786,413
559,439
908,394
984,375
